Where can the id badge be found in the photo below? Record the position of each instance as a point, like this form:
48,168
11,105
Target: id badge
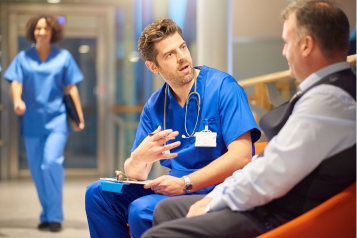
206,139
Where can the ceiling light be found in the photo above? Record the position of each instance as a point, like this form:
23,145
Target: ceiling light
84,49
53,1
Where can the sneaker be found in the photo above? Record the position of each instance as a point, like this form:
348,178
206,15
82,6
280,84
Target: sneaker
55,226
43,226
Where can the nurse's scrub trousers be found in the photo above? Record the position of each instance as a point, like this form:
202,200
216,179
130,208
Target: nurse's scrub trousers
45,159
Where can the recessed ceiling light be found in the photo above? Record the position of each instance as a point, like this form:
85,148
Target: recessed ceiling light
53,1
83,49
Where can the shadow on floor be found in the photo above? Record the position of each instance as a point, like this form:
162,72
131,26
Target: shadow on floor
32,223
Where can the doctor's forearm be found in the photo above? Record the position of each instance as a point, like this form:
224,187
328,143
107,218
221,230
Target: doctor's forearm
238,155
136,170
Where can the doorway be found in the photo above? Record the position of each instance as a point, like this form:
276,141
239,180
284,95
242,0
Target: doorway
89,38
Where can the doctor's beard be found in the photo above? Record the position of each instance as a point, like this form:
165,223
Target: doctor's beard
176,77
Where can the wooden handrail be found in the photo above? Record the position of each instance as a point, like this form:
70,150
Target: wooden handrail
280,75
138,108
244,83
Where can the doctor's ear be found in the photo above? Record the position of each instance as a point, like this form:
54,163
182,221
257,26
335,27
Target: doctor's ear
152,66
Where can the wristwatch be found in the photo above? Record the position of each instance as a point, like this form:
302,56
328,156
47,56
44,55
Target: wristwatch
208,209
188,185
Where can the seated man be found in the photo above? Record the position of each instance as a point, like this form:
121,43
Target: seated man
311,155
191,100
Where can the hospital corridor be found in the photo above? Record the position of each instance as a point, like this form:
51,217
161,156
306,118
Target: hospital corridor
89,87
19,209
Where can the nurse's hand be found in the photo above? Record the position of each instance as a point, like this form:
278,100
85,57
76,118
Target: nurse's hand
151,148
19,107
199,208
167,185
78,127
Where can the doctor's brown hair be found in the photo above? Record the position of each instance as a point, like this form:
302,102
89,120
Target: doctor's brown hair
327,24
51,20
156,32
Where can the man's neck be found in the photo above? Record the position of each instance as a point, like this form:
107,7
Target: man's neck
43,50
181,92
320,63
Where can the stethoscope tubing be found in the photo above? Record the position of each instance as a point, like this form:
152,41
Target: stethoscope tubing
187,101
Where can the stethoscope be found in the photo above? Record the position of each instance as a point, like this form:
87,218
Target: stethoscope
187,100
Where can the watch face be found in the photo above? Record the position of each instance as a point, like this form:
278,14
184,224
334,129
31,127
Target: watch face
189,187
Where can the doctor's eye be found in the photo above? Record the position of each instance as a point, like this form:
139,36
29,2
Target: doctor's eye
184,47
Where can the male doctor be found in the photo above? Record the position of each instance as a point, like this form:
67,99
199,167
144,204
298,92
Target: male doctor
311,155
201,100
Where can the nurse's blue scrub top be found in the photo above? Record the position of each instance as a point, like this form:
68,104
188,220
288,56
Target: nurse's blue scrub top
225,105
43,89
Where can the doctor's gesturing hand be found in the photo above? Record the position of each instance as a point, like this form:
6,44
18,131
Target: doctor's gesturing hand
150,150
152,147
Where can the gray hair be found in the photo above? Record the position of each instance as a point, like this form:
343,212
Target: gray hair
324,21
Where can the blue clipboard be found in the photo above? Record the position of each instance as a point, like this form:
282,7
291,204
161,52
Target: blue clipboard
112,186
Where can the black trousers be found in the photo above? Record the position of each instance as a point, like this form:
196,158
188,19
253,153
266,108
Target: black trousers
170,221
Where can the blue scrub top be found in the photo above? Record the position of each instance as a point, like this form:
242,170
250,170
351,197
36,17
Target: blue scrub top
43,89
225,105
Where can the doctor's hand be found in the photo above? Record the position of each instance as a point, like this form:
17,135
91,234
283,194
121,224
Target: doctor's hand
19,107
167,185
199,208
151,148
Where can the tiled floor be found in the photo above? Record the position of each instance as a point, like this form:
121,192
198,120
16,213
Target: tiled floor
20,208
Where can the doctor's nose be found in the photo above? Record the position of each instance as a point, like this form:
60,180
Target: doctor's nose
180,56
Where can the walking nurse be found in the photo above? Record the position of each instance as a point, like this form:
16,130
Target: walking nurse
39,78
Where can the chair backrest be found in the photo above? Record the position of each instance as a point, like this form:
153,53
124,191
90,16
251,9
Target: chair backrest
334,218
259,147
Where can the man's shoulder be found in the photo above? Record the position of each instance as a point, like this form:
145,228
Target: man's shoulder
215,73
336,84
216,77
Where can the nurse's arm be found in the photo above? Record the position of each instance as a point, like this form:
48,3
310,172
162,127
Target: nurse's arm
73,91
19,104
238,155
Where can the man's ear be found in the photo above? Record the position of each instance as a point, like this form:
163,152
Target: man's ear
307,45
152,66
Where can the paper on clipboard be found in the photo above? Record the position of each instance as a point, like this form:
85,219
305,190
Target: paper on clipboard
133,182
